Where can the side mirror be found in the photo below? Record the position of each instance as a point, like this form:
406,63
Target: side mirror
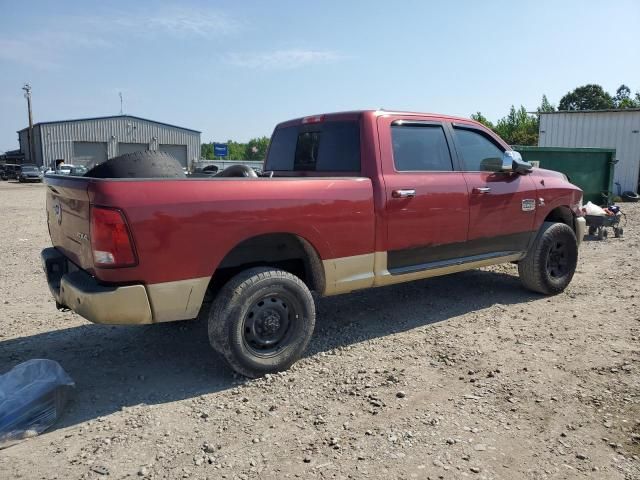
512,162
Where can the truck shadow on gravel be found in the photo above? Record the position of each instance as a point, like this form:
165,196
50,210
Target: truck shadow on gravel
116,367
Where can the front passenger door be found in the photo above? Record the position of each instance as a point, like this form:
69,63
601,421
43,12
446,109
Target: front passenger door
501,204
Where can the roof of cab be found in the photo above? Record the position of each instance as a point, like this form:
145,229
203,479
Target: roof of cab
355,114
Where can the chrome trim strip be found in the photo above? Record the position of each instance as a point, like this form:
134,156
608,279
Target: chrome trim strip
451,262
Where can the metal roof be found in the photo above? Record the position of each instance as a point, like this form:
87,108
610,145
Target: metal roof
607,110
110,117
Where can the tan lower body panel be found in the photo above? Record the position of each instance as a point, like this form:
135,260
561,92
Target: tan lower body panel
346,274
126,305
180,300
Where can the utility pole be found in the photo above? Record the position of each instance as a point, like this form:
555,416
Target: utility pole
27,95
120,103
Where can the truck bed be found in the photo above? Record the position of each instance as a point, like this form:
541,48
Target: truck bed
182,228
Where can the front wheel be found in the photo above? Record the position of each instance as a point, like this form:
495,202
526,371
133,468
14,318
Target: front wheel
551,261
261,321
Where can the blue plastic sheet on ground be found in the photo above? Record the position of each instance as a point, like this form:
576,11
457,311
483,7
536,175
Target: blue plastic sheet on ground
33,395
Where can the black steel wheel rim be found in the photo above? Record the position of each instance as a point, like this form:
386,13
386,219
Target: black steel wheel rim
558,260
269,324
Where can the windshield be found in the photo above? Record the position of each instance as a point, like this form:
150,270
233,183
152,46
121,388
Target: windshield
29,169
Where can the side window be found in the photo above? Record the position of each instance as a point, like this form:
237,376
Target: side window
477,151
420,148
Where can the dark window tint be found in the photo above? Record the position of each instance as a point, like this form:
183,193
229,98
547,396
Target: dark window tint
322,147
282,149
422,148
477,151
307,150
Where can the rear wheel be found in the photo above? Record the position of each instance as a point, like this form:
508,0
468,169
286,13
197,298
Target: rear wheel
551,261
261,321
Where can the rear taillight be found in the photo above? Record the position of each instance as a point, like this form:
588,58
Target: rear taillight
110,239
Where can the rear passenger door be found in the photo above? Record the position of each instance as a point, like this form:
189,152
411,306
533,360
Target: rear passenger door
501,204
426,204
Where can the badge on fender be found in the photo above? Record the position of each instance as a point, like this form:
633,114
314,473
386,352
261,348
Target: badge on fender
528,205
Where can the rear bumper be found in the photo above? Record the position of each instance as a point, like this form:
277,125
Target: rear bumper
80,292
581,229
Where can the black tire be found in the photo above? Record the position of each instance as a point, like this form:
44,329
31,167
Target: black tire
147,164
551,261
237,171
630,196
261,321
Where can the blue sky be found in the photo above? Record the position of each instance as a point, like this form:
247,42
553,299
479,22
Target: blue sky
234,69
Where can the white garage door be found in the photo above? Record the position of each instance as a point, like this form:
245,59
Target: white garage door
179,152
132,147
89,153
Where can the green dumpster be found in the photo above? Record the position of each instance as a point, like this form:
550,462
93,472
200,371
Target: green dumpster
591,169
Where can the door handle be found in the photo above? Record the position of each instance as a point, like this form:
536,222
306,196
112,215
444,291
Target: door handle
481,190
404,193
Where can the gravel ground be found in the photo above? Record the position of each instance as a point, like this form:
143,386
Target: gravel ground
466,376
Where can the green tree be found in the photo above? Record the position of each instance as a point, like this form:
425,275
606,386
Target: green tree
518,127
587,97
206,151
623,94
236,150
478,117
546,106
256,148
623,98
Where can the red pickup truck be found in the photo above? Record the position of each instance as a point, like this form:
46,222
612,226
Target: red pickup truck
347,201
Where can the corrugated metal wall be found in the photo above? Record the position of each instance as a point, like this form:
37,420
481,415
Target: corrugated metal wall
619,130
58,138
24,144
23,139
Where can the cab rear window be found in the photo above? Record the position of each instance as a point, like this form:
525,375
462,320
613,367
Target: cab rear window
319,147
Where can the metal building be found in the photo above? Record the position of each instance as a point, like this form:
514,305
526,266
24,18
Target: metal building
89,141
618,129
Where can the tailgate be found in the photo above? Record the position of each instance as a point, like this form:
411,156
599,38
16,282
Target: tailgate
68,218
